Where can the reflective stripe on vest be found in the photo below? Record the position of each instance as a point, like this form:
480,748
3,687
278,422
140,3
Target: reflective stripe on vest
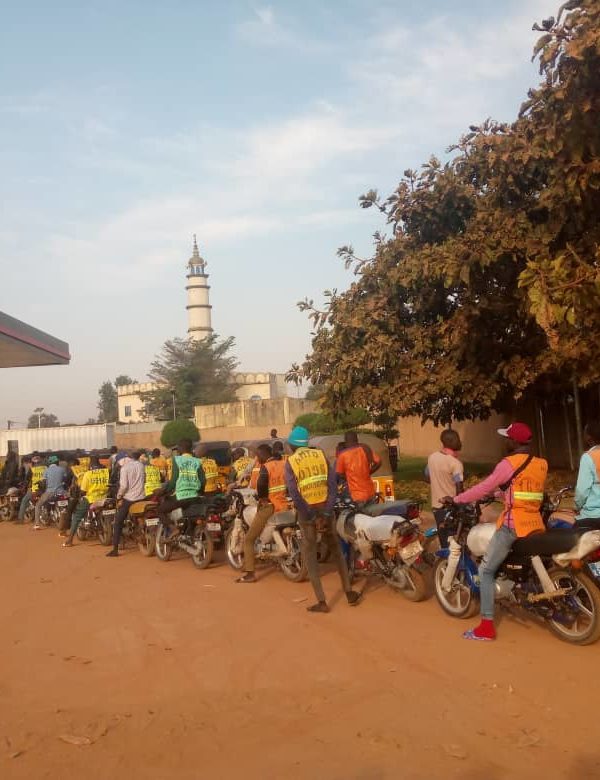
524,497
188,484
277,486
211,472
153,480
311,471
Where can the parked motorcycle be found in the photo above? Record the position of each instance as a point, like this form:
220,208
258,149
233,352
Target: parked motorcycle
52,510
187,531
542,575
279,543
9,504
388,546
139,527
217,517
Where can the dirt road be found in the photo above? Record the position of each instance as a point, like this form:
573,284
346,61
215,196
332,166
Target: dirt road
161,671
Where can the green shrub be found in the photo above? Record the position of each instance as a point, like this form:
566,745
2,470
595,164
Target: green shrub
176,430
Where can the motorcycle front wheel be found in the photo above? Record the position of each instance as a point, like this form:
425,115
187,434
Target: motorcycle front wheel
81,533
5,512
235,560
584,600
161,545
460,601
294,567
414,587
205,548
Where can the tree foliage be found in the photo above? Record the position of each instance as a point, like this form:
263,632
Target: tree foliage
319,423
108,406
176,430
194,372
487,287
43,421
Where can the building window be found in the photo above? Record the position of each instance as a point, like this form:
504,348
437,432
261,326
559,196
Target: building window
128,411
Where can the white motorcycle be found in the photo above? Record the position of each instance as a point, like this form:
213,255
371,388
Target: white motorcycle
391,547
279,543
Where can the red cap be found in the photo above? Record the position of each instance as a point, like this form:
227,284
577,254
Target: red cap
518,432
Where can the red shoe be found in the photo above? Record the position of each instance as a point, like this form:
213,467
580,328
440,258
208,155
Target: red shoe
484,632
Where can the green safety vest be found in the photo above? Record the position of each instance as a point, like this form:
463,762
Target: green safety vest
188,484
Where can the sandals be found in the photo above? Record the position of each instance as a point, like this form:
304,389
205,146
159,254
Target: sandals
245,578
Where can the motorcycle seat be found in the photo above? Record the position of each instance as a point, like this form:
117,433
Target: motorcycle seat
284,518
547,543
387,508
587,524
375,529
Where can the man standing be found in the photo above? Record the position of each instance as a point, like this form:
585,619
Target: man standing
587,490
271,491
274,433
355,464
444,472
54,479
94,489
131,489
521,477
312,486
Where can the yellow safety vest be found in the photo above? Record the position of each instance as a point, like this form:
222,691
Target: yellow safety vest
211,472
153,480
311,471
240,465
37,475
79,471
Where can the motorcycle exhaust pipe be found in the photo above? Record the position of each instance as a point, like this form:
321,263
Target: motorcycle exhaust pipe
542,574
453,560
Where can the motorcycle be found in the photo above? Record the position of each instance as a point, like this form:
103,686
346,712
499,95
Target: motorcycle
52,510
218,519
279,543
187,531
9,504
139,527
391,547
542,574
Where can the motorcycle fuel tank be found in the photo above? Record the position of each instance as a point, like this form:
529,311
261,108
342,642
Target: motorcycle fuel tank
479,538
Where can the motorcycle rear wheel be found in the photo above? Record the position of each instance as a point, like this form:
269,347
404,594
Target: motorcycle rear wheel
30,513
147,542
82,533
235,560
416,589
163,548
5,512
105,531
586,629
294,567
202,559
460,602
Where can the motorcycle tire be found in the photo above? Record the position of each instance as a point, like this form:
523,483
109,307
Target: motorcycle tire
587,597
297,571
461,602
147,542
5,513
105,531
235,560
417,589
203,559
163,548
30,514
82,533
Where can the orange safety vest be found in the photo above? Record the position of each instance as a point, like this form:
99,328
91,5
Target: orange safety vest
277,486
595,456
525,495
254,474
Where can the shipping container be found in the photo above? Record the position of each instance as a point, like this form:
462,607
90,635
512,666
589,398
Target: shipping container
69,437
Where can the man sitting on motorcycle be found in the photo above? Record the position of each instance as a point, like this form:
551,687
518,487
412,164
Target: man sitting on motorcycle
211,471
93,489
587,490
272,497
521,477
186,484
53,479
312,486
241,464
355,464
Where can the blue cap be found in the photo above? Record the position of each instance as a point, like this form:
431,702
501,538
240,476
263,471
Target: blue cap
299,437
120,456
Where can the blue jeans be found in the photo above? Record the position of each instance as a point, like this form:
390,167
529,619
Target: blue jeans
496,553
25,501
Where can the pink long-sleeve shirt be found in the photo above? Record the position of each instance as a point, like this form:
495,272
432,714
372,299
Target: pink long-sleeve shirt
501,474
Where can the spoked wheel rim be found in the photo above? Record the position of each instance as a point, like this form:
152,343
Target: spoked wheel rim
203,556
580,599
236,560
293,563
458,599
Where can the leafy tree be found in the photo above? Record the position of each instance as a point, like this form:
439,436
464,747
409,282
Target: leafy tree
43,421
190,373
318,423
108,407
176,430
487,287
315,393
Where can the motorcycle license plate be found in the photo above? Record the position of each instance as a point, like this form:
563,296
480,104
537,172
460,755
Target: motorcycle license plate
151,521
62,503
213,526
109,512
411,550
595,569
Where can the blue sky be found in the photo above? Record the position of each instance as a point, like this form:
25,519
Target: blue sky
125,127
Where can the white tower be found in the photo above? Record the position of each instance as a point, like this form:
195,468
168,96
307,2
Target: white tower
198,307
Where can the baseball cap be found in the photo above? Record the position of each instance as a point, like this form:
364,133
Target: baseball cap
52,459
518,432
120,456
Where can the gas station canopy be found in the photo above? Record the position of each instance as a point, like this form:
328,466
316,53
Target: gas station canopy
23,345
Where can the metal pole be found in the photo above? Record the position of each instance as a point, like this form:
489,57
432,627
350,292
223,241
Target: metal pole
542,432
578,424
568,432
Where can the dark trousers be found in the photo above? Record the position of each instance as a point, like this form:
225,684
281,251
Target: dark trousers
67,516
120,517
442,532
309,542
